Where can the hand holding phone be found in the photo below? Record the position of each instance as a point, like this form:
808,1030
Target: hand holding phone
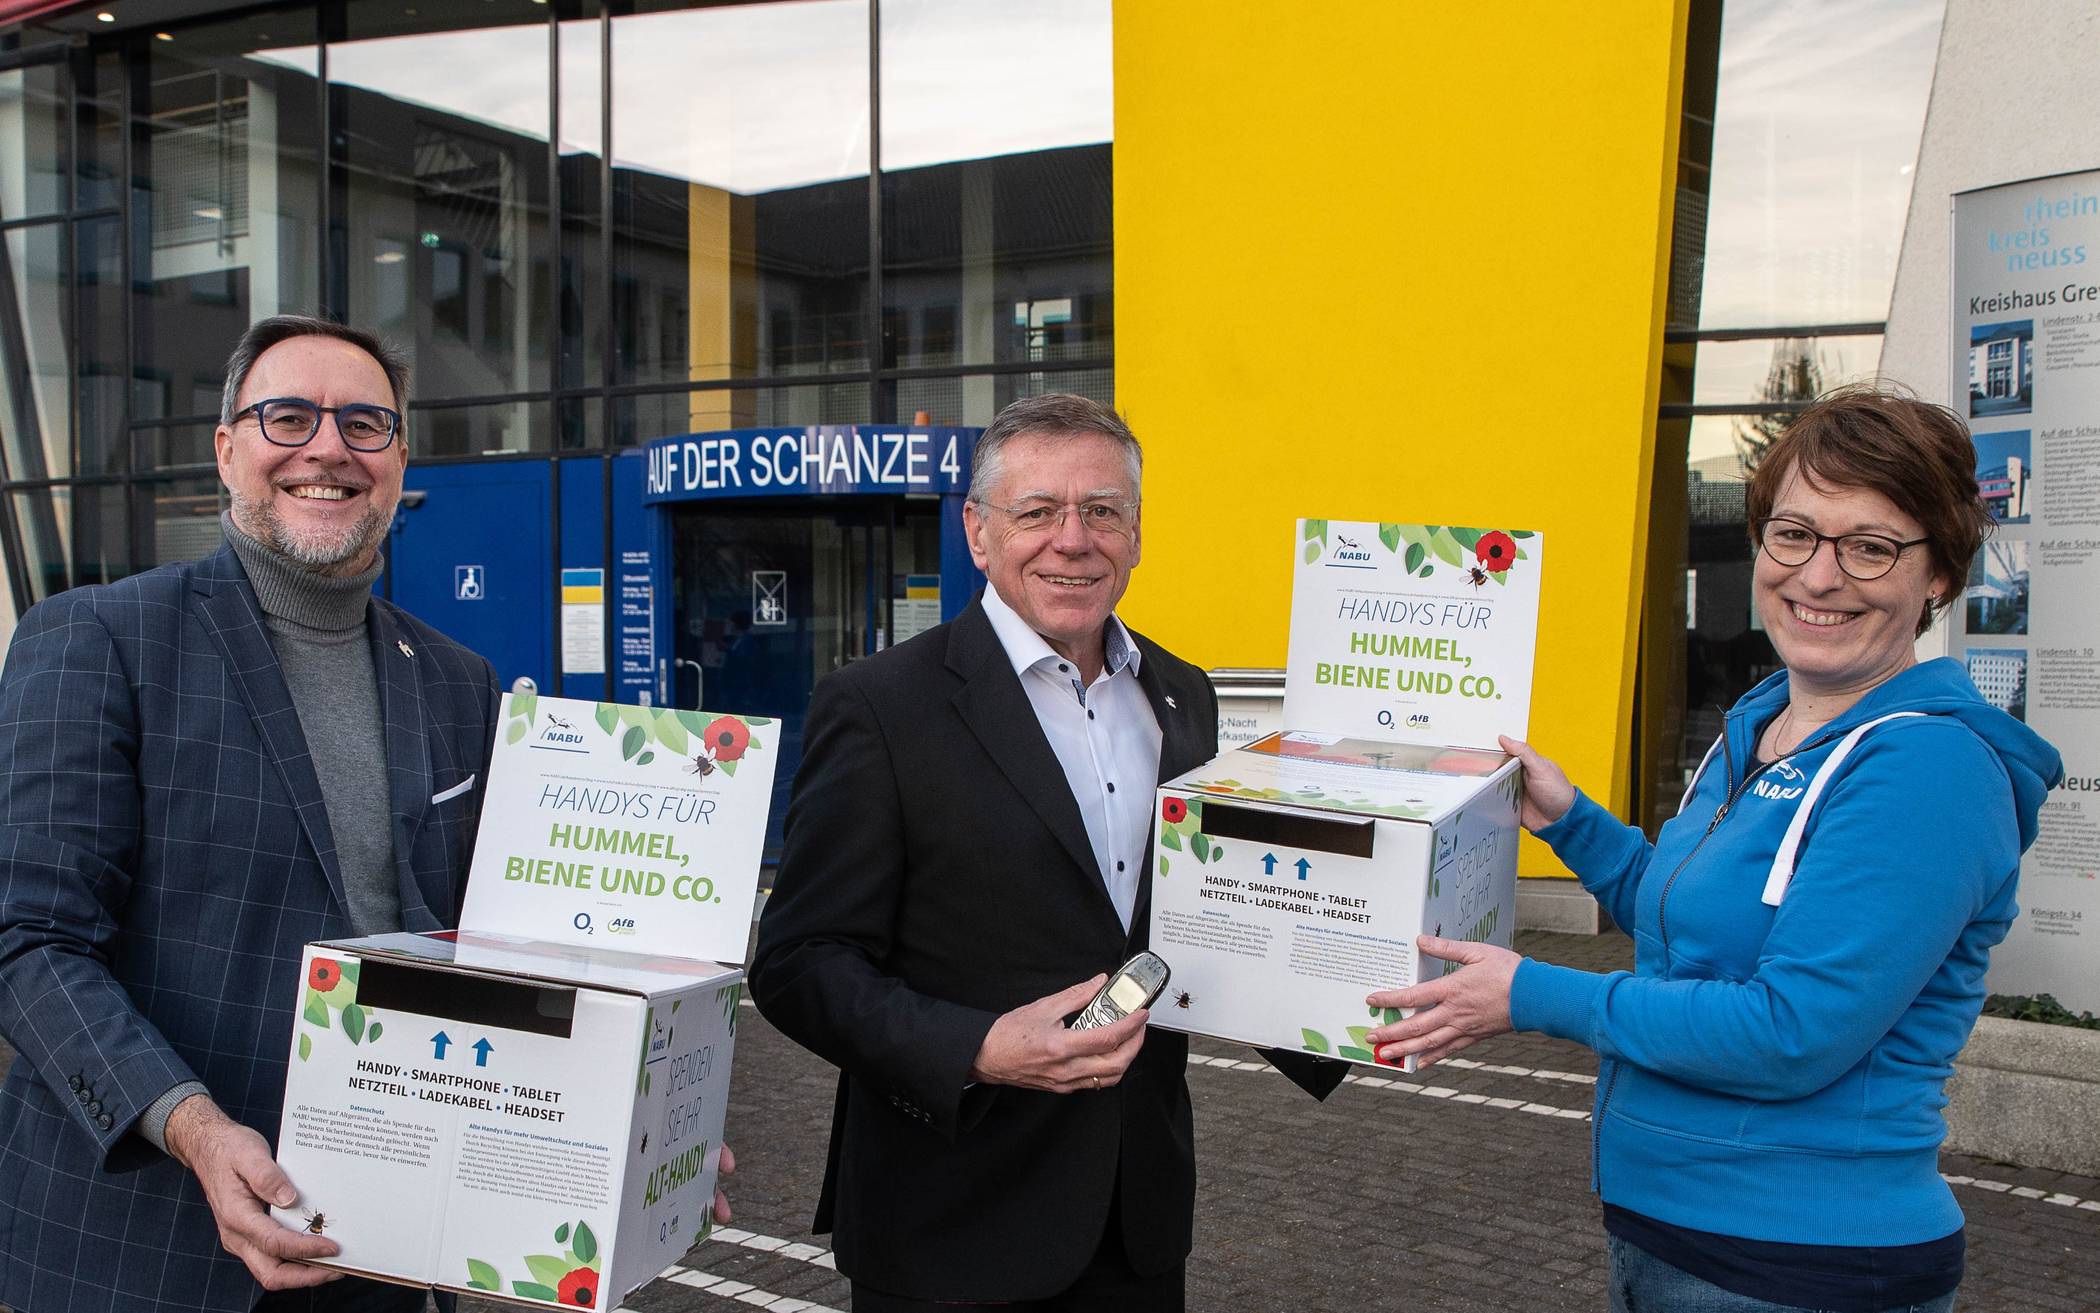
1035,1048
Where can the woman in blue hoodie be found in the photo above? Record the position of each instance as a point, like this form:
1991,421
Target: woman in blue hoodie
1811,931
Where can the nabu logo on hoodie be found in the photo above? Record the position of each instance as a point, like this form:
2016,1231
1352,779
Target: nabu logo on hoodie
1781,781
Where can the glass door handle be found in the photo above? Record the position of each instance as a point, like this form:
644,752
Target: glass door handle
699,682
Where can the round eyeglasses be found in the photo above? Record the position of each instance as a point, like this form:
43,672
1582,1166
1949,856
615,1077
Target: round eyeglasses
293,421
1864,556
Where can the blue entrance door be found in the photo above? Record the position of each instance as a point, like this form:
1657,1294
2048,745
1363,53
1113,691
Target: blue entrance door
473,557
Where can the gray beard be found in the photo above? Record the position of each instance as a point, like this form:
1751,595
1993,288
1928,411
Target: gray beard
344,553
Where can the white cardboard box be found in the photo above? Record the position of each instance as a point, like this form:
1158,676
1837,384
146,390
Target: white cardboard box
1293,875
532,1108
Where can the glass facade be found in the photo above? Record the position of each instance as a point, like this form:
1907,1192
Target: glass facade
1790,214
589,225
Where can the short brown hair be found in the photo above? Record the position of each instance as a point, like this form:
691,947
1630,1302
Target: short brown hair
1916,454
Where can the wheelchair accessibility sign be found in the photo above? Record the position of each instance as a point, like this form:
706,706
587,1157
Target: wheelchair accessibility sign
469,583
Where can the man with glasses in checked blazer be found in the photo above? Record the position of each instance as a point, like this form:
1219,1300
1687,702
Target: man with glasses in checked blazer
202,768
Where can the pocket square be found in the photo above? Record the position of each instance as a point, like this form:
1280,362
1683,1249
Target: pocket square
453,792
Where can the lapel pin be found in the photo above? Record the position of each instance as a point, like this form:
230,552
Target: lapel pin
1171,702
406,650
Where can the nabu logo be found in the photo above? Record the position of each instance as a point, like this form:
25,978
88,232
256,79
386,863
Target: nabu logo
559,731
1768,789
1348,549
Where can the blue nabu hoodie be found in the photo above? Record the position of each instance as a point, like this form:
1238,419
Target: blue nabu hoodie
1773,1069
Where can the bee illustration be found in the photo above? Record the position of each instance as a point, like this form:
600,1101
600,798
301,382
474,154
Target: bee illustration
1476,576
703,765
1182,998
645,1142
316,1223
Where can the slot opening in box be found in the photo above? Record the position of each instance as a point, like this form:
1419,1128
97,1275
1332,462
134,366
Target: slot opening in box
1324,834
472,999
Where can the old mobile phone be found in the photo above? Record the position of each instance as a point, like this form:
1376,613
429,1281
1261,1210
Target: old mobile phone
1134,985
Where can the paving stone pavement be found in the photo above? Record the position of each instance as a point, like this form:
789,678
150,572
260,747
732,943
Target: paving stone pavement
1462,1191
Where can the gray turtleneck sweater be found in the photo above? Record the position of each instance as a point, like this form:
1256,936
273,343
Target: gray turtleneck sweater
317,628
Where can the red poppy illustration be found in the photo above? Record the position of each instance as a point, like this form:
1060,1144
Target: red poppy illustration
323,975
1496,550
727,738
579,1289
1174,810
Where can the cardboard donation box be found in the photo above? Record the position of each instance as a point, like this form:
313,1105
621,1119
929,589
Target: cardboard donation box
532,1107
1291,876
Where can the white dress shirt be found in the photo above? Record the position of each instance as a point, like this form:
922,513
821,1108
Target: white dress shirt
1104,735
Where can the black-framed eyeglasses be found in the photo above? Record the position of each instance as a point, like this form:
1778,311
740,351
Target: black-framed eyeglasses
293,421
1864,556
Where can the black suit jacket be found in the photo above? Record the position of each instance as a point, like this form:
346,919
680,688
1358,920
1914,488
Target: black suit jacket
936,873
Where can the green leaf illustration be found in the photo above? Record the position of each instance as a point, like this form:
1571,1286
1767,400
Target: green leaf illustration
1415,554
1467,538
1199,844
726,767
546,1269
694,721
1444,546
1361,1034
372,1033
1351,1051
632,741
670,732
354,1023
1312,553
633,715
1521,533
1168,839
752,744
1316,1042
349,970
1499,576
758,720
586,1243
645,758
1162,866
1217,852
515,732
316,1011
306,1046
1389,534
482,1276
1426,571
525,704
534,1290
607,716
1316,529
1391,1015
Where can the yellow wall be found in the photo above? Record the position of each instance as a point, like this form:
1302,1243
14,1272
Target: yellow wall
1388,260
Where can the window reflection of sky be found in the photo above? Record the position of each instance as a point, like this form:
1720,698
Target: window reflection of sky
1819,108
754,98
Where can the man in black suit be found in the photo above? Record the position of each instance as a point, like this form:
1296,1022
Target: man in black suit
966,857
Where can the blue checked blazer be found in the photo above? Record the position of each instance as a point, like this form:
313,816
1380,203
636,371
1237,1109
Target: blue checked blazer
164,854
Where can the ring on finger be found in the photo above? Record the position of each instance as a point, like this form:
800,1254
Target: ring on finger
1097,1083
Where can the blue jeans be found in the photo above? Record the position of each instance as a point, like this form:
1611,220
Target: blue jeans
1643,1283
